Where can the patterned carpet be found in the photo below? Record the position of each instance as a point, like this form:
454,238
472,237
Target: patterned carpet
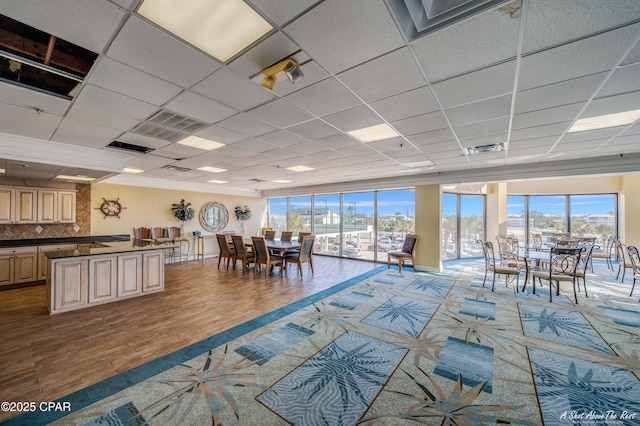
390,348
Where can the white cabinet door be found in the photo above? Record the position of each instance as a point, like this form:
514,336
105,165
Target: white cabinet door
66,207
7,205
70,284
153,272
103,278
129,275
26,206
43,259
47,206
6,269
25,268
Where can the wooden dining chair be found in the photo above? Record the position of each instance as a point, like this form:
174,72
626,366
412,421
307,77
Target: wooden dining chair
301,236
407,252
286,236
159,233
226,252
241,253
270,234
263,257
141,233
304,255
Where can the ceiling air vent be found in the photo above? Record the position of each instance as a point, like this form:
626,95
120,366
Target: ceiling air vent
481,149
257,180
169,126
420,17
129,147
176,168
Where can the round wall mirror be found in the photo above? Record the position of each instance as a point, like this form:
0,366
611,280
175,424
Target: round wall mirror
213,216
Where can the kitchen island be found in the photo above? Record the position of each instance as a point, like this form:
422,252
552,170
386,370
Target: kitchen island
103,272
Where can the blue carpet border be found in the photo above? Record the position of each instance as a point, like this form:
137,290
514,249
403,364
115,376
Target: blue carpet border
101,390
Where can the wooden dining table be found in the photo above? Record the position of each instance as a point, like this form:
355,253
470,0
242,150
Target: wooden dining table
277,245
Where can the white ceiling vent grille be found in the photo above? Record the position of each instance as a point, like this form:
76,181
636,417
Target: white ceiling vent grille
169,126
420,17
481,149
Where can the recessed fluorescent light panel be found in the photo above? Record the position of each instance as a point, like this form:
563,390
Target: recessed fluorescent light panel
211,169
221,28
200,143
128,170
374,133
2,170
76,178
300,168
281,181
217,181
604,121
419,164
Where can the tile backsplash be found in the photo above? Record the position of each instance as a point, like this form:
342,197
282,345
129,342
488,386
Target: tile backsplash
30,230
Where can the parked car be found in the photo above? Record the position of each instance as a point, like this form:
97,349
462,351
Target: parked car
381,247
349,252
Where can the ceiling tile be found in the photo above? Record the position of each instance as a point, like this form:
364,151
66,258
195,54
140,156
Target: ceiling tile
480,111
82,139
280,113
30,99
488,139
556,94
282,11
245,124
547,116
196,106
624,80
314,129
500,124
575,59
114,103
613,104
547,20
220,134
539,131
229,88
32,131
143,140
404,105
268,52
323,98
368,27
143,46
282,138
488,39
117,77
420,124
101,118
486,83
353,118
393,73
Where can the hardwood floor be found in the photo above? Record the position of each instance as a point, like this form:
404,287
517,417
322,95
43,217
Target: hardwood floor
44,357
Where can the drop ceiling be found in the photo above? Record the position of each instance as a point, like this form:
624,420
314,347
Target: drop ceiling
518,74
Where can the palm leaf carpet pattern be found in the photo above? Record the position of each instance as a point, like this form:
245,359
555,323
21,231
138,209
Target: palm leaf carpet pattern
392,348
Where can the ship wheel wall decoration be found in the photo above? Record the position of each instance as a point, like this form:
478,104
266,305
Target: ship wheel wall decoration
111,208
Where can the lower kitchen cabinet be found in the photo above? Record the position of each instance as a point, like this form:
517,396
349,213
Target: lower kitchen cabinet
79,282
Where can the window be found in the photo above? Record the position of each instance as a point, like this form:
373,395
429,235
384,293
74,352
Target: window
363,225
463,223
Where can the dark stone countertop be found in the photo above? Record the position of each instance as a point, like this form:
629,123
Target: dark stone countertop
93,248
87,239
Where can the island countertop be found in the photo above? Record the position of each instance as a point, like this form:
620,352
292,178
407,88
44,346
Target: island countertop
94,248
86,239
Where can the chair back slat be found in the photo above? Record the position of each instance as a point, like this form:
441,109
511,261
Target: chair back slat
286,236
141,233
174,232
269,235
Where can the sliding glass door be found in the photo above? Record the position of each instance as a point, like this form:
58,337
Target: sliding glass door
463,223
